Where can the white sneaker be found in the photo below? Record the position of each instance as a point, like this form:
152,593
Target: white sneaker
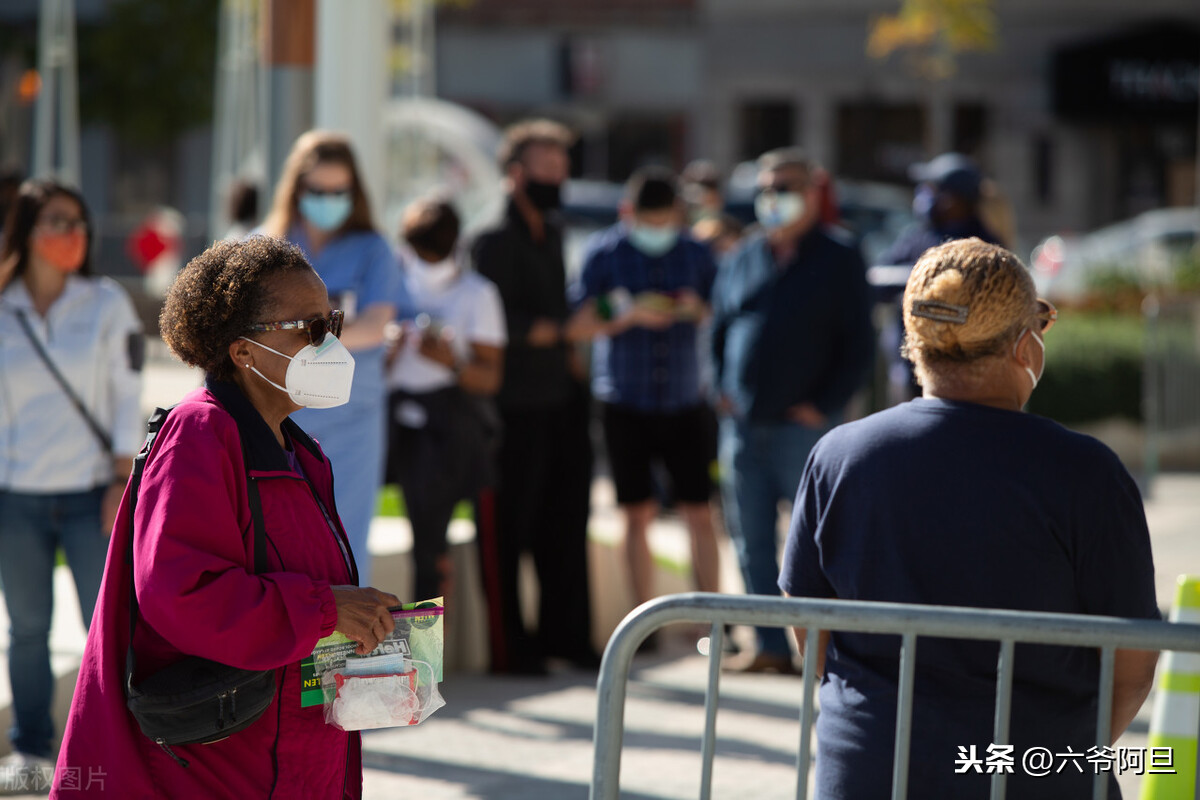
21,773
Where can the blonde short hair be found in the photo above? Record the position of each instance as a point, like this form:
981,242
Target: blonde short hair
965,301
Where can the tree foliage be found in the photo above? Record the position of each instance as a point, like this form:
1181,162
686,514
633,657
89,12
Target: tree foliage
933,32
147,68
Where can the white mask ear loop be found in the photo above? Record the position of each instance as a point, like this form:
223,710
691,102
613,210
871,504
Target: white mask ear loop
1042,345
259,374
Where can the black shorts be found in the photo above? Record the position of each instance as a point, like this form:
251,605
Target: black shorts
680,441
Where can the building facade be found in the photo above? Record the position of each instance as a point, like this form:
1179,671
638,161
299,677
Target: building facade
1085,112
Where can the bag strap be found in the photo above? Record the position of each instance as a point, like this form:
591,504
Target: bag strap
104,439
153,426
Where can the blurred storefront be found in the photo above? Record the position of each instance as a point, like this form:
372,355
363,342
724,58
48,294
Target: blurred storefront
1085,112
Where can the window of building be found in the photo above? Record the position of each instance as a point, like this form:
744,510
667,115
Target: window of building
878,141
766,125
970,129
635,141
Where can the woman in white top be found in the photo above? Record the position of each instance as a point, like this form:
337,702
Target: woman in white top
446,363
61,474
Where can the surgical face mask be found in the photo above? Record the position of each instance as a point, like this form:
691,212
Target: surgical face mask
63,251
544,196
1041,344
318,376
778,209
653,240
326,212
436,274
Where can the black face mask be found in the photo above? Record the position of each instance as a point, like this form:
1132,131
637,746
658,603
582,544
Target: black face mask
544,196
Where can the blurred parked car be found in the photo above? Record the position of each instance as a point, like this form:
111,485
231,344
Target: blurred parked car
1145,250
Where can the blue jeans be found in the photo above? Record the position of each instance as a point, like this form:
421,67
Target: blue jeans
761,464
32,527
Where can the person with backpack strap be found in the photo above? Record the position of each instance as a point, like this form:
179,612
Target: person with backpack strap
71,350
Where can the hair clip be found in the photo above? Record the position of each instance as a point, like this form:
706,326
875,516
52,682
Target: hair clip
939,311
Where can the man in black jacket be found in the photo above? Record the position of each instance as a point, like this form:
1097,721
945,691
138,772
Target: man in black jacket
540,503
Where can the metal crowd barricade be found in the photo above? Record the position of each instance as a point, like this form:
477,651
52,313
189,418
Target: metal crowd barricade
1171,375
909,621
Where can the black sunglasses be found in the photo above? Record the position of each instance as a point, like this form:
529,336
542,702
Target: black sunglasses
317,327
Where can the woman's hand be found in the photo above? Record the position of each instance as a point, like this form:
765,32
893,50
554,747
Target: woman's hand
362,615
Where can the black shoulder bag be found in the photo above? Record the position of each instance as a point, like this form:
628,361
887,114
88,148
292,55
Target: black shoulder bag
195,700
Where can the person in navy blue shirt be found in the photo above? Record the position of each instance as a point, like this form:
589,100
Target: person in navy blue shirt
958,498
644,287
947,205
792,340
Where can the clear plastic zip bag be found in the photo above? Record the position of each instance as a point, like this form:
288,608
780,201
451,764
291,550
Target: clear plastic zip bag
362,698
394,685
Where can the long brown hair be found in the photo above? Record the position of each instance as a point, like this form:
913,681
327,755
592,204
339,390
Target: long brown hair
311,149
31,198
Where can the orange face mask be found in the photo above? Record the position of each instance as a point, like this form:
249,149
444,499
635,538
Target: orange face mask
63,251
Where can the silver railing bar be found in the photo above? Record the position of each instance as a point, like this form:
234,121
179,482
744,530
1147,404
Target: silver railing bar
716,642
1004,683
1108,671
904,710
844,615
811,639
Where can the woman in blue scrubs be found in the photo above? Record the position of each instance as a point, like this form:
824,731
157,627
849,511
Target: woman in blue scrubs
321,206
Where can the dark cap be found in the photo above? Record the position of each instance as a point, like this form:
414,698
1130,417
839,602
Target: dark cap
953,172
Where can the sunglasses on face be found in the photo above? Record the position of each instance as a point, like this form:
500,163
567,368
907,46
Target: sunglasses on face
61,225
781,188
317,327
1046,315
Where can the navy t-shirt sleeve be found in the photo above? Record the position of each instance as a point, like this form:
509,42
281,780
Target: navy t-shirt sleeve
706,272
1114,567
801,574
595,278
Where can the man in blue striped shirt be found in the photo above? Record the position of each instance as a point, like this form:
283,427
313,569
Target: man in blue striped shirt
644,288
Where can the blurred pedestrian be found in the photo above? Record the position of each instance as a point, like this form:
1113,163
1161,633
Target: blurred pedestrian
947,205
71,352
445,366
545,461
321,206
241,209
228,461
958,498
644,288
721,233
701,189
792,341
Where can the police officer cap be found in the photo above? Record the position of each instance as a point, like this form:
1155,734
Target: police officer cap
952,172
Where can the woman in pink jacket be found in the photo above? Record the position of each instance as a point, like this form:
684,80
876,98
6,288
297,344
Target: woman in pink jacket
256,318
